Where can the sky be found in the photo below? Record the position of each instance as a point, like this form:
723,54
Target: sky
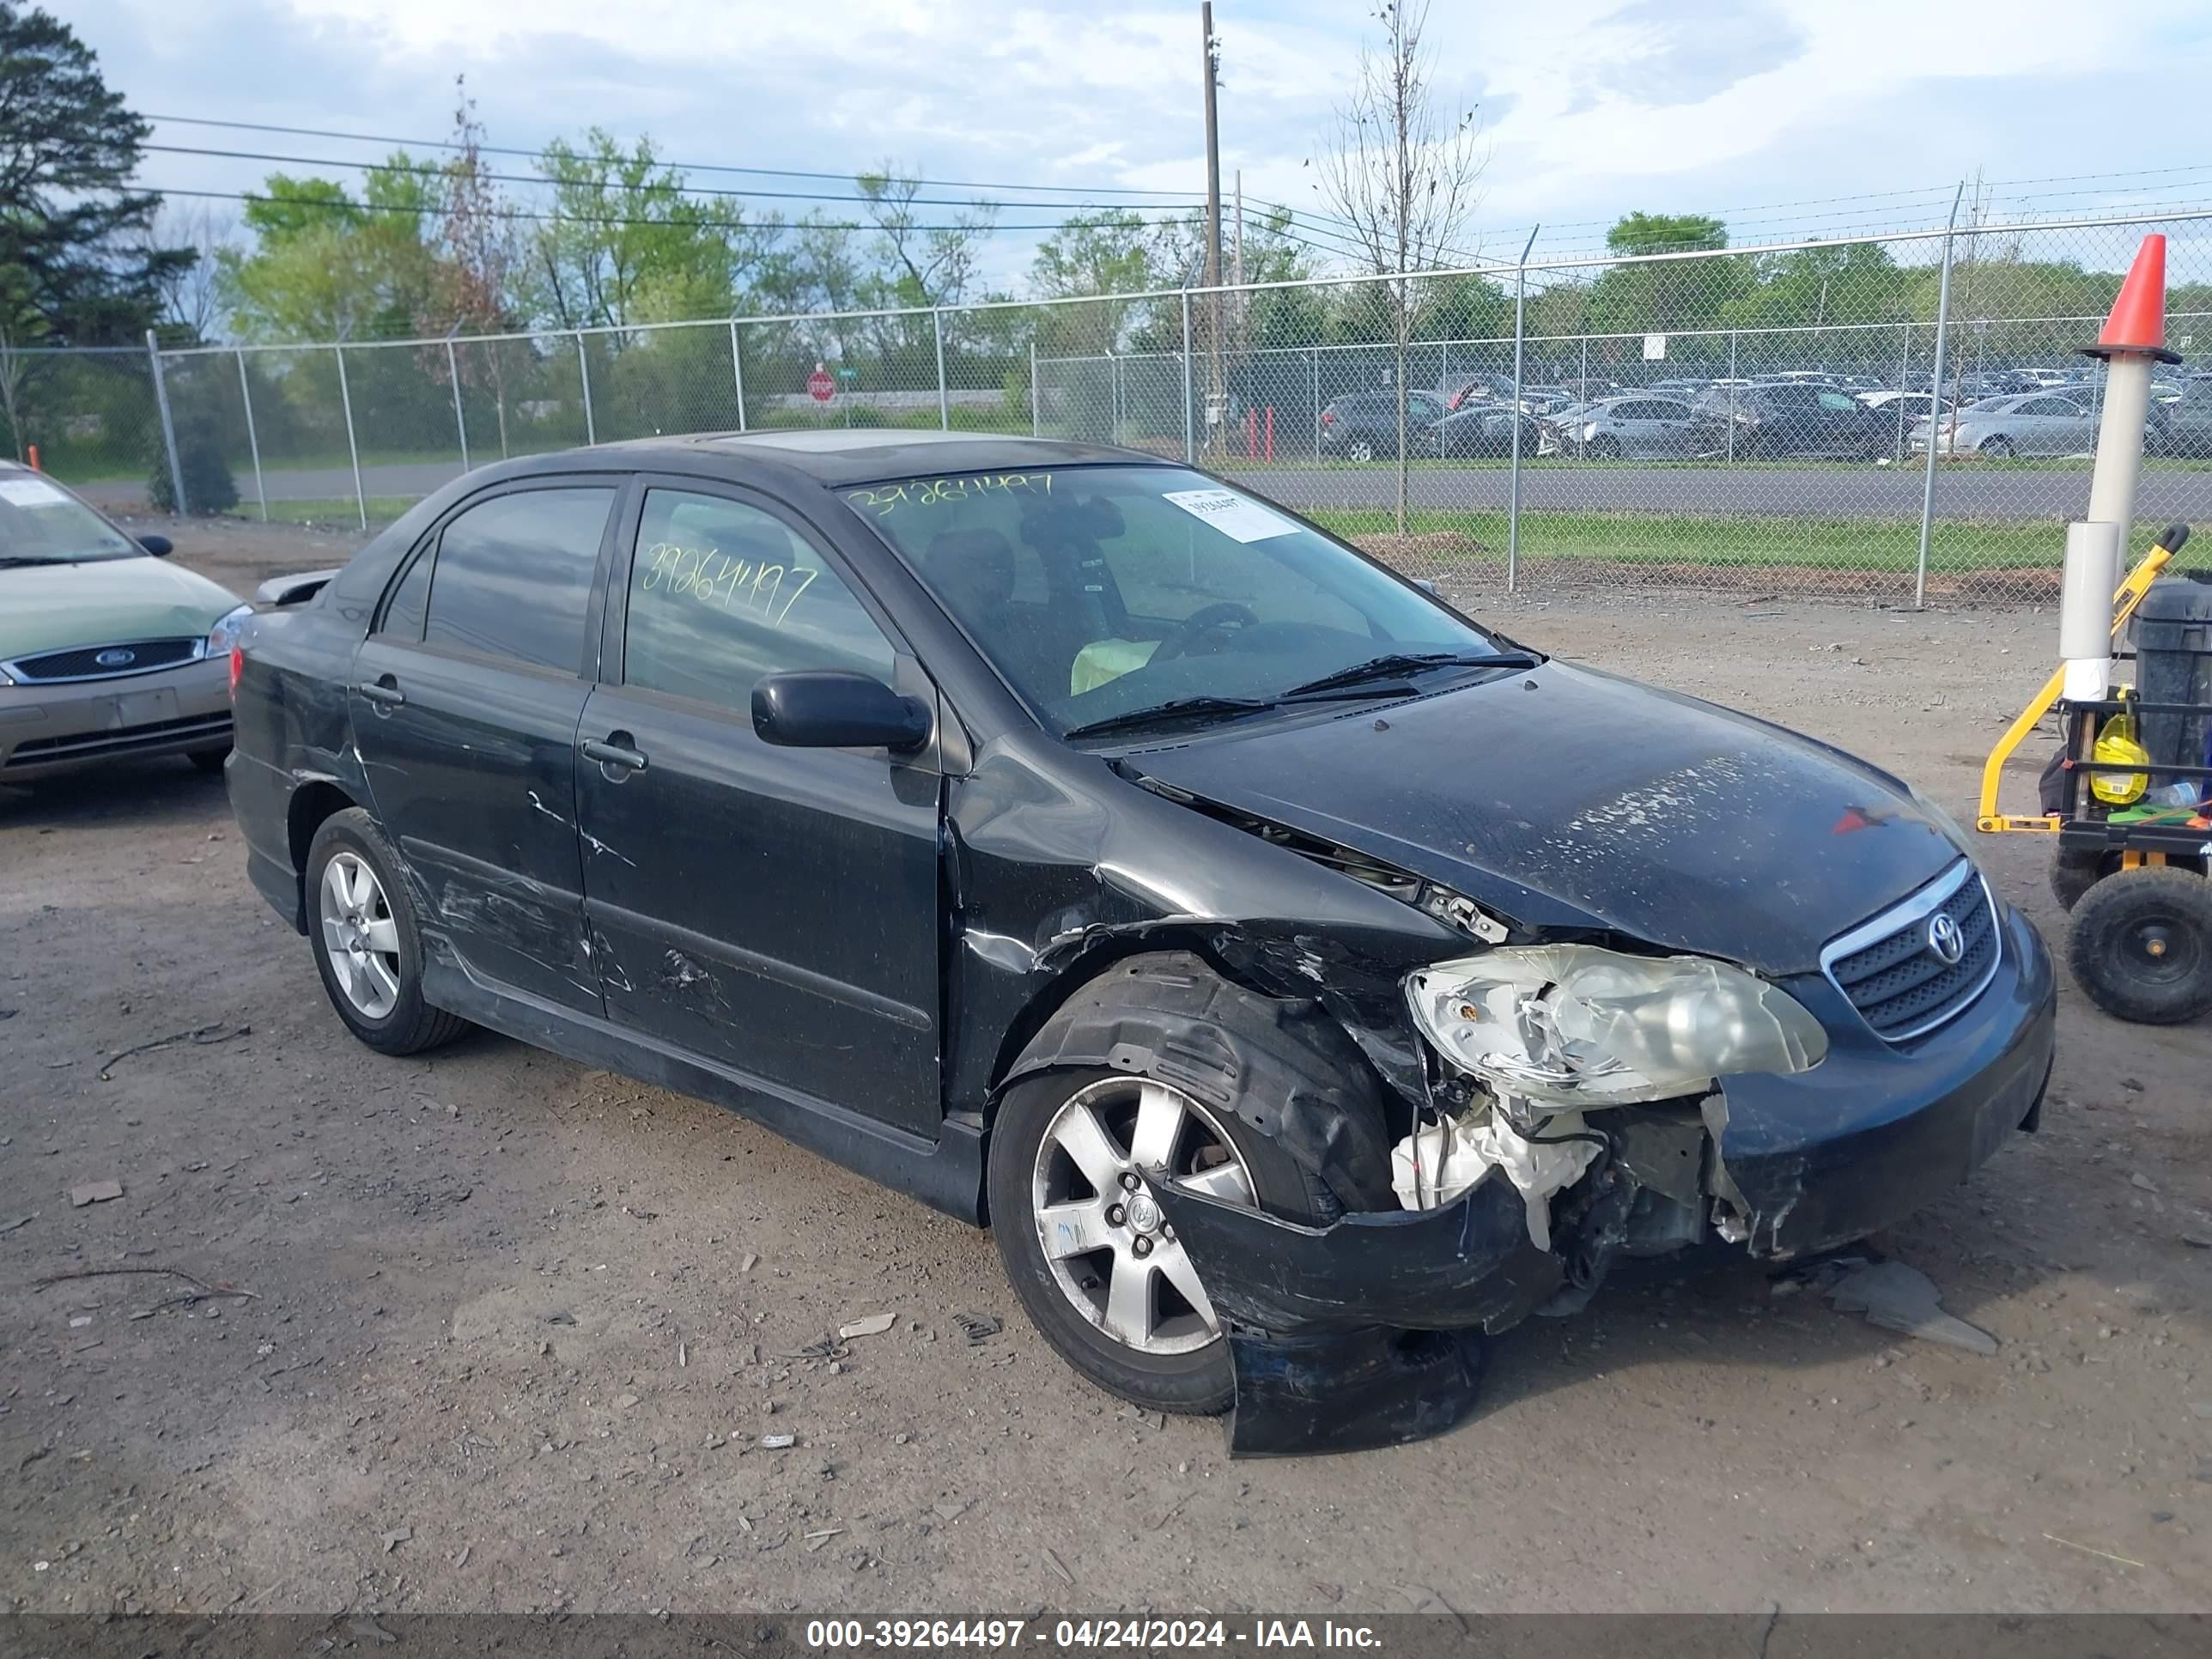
1788,117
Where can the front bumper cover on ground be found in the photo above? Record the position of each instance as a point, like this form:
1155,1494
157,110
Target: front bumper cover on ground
1369,1332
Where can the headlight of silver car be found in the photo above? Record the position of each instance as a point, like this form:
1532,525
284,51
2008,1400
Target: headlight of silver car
1580,1026
224,634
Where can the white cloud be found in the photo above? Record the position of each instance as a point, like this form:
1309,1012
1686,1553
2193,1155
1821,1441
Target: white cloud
1591,106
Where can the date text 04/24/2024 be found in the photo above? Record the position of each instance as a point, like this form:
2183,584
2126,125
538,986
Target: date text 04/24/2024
1088,1633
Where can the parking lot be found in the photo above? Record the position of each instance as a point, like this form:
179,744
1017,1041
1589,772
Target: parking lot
491,1330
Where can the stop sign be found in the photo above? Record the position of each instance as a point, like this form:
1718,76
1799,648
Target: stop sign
820,386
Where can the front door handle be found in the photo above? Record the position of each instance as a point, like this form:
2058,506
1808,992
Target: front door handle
614,755
384,689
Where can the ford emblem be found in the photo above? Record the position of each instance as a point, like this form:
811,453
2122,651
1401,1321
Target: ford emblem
116,658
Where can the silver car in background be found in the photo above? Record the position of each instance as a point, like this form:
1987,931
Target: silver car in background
1630,428
2031,423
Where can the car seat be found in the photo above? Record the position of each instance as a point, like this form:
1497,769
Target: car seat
973,572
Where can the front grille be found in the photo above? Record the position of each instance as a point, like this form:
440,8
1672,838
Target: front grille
84,662
1891,971
199,731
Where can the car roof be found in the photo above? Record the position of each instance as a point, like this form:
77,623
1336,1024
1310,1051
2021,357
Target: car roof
832,456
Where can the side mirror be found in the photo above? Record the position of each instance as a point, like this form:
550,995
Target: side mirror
1427,585
833,710
159,546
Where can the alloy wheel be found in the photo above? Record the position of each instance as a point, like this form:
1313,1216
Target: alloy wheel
360,937
1111,1252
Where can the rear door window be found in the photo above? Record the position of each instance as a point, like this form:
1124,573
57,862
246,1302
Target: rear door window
513,576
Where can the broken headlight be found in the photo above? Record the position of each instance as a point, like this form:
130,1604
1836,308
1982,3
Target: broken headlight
1581,1026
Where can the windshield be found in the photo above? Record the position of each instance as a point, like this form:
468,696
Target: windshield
40,524
1102,592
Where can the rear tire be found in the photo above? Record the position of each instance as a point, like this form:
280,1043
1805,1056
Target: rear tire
1996,449
1604,447
1359,449
210,760
2142,945
377,989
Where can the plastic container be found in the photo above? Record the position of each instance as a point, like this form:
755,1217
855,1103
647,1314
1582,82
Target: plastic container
2171,630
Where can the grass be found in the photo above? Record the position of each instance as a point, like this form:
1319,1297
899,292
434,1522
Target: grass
336,510
1693,539
1627,538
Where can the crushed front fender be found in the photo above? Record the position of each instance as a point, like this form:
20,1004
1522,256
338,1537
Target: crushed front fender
1366,1332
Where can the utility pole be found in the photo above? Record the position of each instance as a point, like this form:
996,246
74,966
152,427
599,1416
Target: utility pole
1212,226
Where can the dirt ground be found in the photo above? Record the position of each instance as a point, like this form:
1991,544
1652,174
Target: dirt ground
508,1331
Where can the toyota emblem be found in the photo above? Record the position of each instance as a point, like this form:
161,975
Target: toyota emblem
117,658
1945,939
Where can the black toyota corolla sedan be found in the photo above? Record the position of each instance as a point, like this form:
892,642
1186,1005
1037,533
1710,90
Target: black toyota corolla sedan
1301,979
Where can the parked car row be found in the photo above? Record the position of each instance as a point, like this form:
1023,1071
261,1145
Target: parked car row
1770,417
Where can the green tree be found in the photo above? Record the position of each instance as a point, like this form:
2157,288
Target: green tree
326,267
1666,296
76,240
626,245
1093,257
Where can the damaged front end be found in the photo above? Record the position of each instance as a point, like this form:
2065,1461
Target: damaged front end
1584,1103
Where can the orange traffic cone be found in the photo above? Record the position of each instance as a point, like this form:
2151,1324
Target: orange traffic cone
2137,324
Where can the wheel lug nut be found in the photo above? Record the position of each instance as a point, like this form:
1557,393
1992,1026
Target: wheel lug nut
1115,1214
1143,1246
1167,1233
1129,1181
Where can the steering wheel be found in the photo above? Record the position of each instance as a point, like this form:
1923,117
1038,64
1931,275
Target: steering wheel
1205,620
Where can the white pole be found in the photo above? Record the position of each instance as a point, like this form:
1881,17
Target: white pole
460,421
944,402
2119,440
252,442
1189,438
1935,386
584,373
1513,480
169,426
1034,421
353,448
737,373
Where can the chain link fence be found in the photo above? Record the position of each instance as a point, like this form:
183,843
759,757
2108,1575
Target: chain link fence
87,416
1755,421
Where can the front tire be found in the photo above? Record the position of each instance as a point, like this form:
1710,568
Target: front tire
1098,1271
2142,945
368,948
210,760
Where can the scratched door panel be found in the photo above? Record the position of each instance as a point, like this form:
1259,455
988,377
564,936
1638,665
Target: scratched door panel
464,703
772,909
473,777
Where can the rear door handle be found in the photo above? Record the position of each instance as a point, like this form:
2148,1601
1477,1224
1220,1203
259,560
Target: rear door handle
385,691
609,753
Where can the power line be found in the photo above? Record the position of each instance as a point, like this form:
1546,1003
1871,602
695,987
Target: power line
679,167
663,186
1313,219
328,205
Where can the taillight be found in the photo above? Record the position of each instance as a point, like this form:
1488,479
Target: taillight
1456,397
237,667
1328,418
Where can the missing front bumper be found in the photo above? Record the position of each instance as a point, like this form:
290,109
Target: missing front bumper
1368,1332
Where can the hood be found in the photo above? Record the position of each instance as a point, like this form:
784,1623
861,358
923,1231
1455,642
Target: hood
52,607
1566,798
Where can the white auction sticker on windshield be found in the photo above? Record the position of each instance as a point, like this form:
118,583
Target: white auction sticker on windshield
1238,517
29,492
